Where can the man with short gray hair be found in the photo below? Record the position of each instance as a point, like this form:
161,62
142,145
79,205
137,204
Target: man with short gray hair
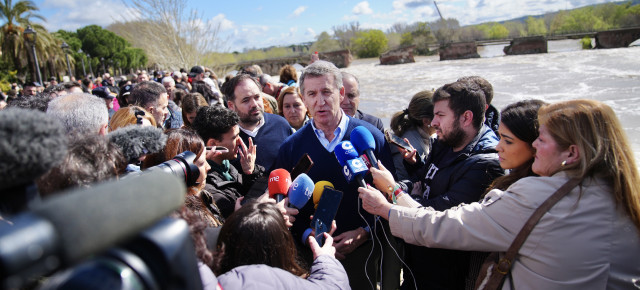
352,100
322,92
80,113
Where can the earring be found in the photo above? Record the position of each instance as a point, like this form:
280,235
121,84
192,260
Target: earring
563,163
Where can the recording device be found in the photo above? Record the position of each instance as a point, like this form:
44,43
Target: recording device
326,212
300,191
303,166
353,167
279,183
137,141
395,140
318,189
71,226
181,166
365,144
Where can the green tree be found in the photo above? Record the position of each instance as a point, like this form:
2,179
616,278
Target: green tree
498,31
16,17
370,43
116,51
535,26
325,43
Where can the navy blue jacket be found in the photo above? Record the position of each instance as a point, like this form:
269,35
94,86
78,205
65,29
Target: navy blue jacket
448,182
371,119
326,167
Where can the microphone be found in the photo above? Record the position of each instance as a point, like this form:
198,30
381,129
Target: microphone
279,183
135,141
31,143
353,168
318,189
365,144
300,191
71,226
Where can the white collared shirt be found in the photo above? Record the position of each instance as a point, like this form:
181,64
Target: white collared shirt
339,133
255,130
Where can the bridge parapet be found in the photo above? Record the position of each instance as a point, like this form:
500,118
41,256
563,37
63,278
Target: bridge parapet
459,50
526,45
617,38
398,56
341,58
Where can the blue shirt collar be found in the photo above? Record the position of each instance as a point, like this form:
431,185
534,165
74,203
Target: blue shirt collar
339,133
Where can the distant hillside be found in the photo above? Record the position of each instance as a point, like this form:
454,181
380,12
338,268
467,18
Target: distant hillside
523,18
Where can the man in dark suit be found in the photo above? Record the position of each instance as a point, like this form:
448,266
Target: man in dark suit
352,99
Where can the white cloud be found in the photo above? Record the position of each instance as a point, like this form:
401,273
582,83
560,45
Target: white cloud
74,14
362,8
299,11
225,24
311,32
350,17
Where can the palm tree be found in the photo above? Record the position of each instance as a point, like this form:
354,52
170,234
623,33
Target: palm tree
16,17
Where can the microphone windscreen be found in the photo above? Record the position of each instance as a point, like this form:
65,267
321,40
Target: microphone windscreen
135,140
345,151
90,220
300,191
362,139
31,143
318,189
279,182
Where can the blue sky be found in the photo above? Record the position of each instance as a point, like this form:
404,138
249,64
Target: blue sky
248,24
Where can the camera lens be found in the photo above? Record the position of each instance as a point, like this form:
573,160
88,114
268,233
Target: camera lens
182,165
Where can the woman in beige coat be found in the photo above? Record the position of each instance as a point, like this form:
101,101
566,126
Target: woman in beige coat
589,240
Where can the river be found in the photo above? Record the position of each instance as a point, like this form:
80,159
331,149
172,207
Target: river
566,72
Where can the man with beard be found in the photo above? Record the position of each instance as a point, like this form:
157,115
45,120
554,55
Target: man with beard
268,131
461,165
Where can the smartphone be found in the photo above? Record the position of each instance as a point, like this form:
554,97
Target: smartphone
326,212
221,149
257,189
303,166
395,140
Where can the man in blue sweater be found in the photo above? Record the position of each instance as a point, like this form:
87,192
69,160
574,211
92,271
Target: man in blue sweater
322,92
268,131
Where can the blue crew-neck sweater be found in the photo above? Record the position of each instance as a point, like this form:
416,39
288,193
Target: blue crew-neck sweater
269,138
326,167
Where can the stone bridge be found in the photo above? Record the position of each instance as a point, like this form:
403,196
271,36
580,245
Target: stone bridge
341,58
538,44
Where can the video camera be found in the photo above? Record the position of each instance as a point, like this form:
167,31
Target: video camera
145,249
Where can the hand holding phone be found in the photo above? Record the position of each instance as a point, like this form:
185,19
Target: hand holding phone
395,140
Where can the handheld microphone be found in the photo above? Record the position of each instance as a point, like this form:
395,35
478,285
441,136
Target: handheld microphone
279,183
353,168
300,191
365,144
71,226
136,141
318,189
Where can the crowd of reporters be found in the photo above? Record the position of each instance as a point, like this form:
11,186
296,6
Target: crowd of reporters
457,188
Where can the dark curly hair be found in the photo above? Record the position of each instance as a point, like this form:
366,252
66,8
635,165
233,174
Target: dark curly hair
38,102
213,122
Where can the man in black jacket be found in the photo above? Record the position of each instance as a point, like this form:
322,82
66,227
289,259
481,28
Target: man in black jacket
351,101
461,165
218,126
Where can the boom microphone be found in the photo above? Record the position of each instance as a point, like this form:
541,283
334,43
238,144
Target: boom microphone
318,189
136,141
353,168
71,226
365,144
279,183
300,191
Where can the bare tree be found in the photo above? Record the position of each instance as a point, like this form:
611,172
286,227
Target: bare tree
172,37
346,33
